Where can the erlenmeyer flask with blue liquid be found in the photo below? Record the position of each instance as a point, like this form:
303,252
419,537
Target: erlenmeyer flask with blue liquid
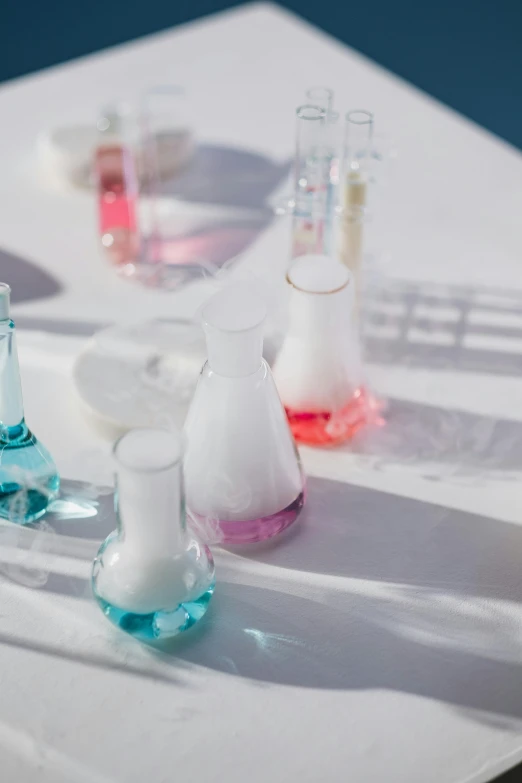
29,480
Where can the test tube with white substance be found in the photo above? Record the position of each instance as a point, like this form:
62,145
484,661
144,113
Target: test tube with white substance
355,178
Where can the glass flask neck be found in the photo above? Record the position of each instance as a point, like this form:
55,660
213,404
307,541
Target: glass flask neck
233,321
150,502
235,354
321,302
11,401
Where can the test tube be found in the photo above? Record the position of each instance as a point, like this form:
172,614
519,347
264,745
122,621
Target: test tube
357,149
117,182
357,155
311,180
168,145
322,97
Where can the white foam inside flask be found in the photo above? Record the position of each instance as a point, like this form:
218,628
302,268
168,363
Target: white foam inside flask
149,483
149,565
233,323
319,367
240,462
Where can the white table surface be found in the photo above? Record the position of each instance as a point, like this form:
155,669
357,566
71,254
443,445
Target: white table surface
382,641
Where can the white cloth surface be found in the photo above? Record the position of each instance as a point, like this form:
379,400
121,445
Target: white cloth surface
383,639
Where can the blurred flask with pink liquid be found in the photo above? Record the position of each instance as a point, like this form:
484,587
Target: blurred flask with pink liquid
117,180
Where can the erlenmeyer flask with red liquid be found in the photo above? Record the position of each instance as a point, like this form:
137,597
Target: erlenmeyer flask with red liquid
318,370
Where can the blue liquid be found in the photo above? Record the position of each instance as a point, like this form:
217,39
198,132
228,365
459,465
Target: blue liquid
160,624
29,480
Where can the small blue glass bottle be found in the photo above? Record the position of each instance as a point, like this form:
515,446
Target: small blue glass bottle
152,577
29,480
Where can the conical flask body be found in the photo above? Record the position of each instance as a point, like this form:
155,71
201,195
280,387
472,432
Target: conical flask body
243,476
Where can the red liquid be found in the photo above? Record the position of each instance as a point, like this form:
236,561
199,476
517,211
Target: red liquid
117,199
324,428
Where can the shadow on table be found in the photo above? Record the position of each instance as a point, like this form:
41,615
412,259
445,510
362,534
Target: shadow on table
228,176
27,280
83,511
90,659
205,249
228,189
28,283
364,534
73,528
65,326
400,641
441,443
399,595
460,328
412,613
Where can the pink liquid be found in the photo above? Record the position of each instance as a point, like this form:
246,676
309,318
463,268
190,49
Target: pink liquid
117,200
307,236
251,530
211,246
327,428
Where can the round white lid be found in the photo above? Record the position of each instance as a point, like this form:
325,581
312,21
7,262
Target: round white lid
148,450
317,274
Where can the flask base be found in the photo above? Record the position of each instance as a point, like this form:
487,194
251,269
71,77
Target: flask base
28,478
251,530
158,625
327,428
22,506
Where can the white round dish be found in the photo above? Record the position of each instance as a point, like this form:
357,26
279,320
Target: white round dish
141,375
